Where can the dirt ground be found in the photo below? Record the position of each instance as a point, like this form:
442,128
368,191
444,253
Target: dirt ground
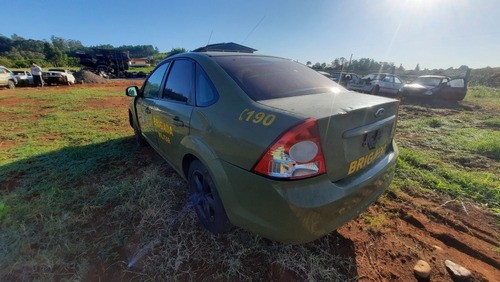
422,226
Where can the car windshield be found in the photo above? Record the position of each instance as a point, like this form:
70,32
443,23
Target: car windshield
264,78
428,81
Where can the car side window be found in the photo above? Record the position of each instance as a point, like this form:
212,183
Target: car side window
457,83
180,81
206,94
397,80
153,84
388,78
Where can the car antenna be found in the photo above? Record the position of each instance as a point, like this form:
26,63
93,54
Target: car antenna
210,37
253,29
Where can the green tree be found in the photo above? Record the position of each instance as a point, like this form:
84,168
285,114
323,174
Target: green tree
175,51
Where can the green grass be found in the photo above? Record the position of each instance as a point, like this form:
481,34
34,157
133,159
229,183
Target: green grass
81,198
453,149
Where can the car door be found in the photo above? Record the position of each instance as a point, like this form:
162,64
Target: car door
173,112
398,84
454,90
386,85
147,103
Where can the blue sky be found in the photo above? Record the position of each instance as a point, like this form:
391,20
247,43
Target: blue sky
432,33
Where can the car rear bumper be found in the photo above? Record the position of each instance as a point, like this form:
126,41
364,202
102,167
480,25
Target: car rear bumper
300,211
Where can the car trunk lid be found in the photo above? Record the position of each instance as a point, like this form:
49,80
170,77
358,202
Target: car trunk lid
356,129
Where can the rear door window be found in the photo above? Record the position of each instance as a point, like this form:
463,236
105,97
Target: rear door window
206,94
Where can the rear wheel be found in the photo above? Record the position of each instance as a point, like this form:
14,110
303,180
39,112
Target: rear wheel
11,84
207,203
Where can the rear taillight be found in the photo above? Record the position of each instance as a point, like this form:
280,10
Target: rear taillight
296,154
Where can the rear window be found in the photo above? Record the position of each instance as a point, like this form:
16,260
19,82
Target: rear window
264,78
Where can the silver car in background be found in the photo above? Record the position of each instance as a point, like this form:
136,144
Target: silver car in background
377,84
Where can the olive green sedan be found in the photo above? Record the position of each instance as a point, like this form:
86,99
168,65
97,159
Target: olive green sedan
265,143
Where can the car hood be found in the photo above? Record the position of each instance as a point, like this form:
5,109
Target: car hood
416,87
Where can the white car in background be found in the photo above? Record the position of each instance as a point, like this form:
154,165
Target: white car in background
58,76
24,78
7,78
377,84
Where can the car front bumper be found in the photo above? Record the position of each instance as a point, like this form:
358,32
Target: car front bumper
304,210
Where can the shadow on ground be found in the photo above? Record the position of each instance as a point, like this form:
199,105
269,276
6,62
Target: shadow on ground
83,212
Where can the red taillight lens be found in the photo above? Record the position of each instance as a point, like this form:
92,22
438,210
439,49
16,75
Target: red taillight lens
296,154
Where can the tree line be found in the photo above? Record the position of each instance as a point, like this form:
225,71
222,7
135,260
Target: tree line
19,52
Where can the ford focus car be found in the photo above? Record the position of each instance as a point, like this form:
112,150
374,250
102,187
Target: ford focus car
265,143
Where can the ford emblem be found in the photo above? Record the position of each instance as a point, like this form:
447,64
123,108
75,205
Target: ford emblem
380,112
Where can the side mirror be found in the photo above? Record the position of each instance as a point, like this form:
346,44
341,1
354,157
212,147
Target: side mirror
132,91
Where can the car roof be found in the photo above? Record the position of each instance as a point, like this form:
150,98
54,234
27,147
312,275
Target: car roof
433,76
219,54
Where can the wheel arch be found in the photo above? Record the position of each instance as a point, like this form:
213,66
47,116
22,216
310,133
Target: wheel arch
197,149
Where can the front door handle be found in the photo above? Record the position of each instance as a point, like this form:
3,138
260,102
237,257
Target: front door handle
178,122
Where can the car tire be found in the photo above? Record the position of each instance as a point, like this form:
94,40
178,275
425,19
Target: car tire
206,200
375,90
139,139
11,84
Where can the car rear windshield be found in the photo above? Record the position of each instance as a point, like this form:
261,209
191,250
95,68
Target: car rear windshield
264,78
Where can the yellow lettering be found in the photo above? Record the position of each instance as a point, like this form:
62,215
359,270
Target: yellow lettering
163,126
164,137
361,163
365,160
352,167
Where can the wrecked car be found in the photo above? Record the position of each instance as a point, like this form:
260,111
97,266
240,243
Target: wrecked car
377,84
436,87
58,76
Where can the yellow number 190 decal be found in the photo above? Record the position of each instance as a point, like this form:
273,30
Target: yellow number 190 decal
257,117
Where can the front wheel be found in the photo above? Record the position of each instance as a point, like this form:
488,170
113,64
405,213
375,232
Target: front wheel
207,203
11,84
139,139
